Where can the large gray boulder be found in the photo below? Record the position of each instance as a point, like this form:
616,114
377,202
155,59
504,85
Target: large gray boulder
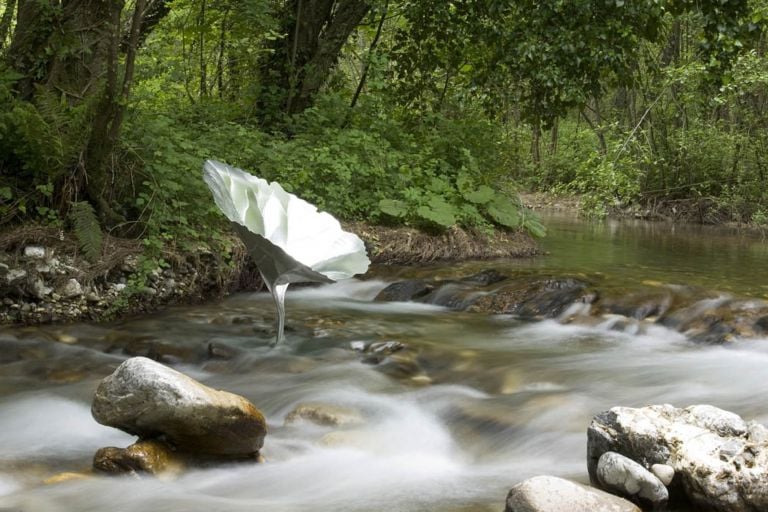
720,461
150,400
552,494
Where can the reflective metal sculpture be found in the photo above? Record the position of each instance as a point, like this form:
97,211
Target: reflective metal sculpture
288,238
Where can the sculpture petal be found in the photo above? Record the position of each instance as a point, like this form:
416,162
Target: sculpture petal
312,238
288,238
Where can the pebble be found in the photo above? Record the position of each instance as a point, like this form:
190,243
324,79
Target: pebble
66,338
40,290
68,476
15,274
72,288
625,477
664,473
34,251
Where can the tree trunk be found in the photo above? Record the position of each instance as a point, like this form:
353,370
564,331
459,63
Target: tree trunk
108,120
27,52
223,29
154,12
5,22
201,50
88,73
536,145
300,64
364,74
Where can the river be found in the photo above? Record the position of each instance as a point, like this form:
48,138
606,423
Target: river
474,405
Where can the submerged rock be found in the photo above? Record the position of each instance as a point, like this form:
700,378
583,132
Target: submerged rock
405,291
720,461
536,297
150,400
552,494
66,476
152,456
526,296
324,414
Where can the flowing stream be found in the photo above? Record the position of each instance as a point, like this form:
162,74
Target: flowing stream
474,405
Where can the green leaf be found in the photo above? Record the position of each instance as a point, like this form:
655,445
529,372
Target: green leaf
438,211
464,182
439,185
87,229
504,212
483,195
534,226
393,207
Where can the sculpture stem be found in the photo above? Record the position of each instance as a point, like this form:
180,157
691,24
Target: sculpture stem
278,295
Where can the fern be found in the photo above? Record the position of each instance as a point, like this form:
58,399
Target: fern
87,229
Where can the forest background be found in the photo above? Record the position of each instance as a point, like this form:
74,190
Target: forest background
401,112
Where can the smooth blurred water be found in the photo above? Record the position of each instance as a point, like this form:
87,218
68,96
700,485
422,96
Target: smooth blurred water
487,402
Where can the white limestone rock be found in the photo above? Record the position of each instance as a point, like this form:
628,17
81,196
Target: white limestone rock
664,473
719,460
71,289
34,251
627,478
552,494
39,290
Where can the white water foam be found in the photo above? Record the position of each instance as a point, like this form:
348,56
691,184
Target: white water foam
7,485
43,425
346,289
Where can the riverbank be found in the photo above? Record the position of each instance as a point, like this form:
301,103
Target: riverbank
44,279
703,210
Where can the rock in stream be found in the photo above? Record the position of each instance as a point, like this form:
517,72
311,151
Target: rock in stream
150,400
552,494
719,461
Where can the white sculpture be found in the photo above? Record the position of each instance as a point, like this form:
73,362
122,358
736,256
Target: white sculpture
287,237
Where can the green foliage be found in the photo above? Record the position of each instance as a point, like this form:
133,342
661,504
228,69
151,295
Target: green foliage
438,211
646,100
393,207
504,212
87,230
39,143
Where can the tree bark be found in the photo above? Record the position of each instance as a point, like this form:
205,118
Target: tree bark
27,54
201,50
5,22
364,74
222,50
108,120
300,64
154,12
89,71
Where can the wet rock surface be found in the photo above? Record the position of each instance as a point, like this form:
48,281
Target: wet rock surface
329,415
526,296
552,494
150,400
702,316
151,456
720,461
